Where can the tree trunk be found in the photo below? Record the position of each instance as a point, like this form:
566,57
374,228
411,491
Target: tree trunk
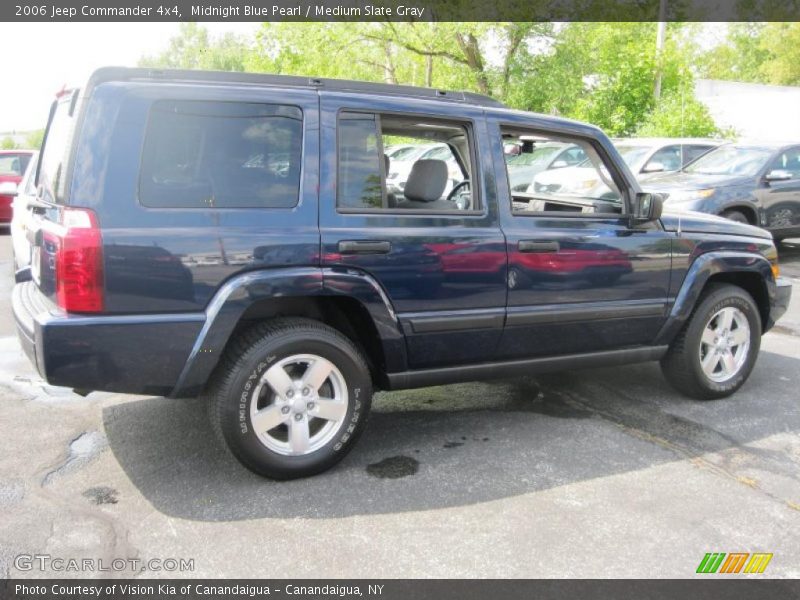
469,46
428,70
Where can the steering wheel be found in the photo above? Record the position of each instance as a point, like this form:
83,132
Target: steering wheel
461,194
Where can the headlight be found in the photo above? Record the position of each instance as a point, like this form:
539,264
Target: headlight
772,256
687,195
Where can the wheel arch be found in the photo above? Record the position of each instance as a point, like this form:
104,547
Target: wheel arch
751,272
747,210
351,302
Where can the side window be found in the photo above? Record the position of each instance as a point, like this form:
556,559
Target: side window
690,152
667,158
542,185
221,155
358,184
431,173
573,156
788,161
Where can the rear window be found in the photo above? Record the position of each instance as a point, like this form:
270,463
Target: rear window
14,164
57,141
221,155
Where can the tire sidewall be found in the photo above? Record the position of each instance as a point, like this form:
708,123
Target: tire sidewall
235,414
714,304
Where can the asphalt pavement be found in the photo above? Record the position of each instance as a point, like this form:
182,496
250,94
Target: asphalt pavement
595,473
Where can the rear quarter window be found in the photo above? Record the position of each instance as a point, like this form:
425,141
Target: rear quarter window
221,155
55,151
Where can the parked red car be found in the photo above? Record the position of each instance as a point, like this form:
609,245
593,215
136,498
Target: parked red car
12,167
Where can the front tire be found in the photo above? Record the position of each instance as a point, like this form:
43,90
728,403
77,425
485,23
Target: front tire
290,398
737,216
716,350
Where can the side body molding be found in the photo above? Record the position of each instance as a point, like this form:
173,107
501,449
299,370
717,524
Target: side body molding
701,270
239,293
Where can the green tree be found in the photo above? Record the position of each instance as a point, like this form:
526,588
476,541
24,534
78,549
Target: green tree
739,57
8,143
441,55
780,43
678,114
34,139
193,48
605,73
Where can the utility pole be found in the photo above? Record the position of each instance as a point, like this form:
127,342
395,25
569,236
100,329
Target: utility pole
660,35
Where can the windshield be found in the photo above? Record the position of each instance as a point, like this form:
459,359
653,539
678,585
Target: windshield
14,164
731,160
540,154
632,154
28,183
401,153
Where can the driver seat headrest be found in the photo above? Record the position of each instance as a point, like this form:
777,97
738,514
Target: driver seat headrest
427,180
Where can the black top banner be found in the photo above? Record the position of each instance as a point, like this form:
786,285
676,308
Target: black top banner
400,10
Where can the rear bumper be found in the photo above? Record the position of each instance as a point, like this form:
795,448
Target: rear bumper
780,303
137,354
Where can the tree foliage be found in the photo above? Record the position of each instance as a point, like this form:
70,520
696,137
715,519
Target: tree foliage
603,73
756,52
34,139
193,48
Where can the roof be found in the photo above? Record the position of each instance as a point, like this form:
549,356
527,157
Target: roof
770,145
105,74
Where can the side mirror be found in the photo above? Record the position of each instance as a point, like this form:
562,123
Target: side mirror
778,175
559,164
648,207
8,188
654,167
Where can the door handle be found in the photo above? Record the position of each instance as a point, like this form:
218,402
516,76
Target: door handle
538,246
364,247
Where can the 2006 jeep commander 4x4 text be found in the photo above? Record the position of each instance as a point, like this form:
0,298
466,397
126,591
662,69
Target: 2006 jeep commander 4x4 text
233,236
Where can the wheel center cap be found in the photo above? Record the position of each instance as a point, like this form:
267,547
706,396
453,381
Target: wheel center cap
299,404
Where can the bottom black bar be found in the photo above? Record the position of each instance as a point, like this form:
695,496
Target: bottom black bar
710,587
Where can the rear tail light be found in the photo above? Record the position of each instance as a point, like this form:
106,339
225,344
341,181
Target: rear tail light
79,262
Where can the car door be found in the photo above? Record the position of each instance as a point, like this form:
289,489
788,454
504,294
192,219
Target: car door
441,263
582,278
779,193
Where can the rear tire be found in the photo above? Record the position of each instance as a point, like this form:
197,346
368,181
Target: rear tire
737,216
717,348
290,397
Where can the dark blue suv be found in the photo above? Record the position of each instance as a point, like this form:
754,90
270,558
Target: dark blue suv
232,236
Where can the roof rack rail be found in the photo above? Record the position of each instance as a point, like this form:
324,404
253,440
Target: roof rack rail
105,74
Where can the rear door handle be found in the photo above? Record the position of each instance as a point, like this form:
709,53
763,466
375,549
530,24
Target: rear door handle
538,246
364,247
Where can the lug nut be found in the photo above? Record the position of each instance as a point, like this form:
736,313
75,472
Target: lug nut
306,391
298,417
310,406
290,394
285,410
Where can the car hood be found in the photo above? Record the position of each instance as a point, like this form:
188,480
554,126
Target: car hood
665,182
694,222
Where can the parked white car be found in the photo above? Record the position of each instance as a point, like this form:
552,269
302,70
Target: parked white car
642,155
399,168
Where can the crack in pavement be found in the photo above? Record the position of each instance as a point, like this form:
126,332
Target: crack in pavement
82,450
655,426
